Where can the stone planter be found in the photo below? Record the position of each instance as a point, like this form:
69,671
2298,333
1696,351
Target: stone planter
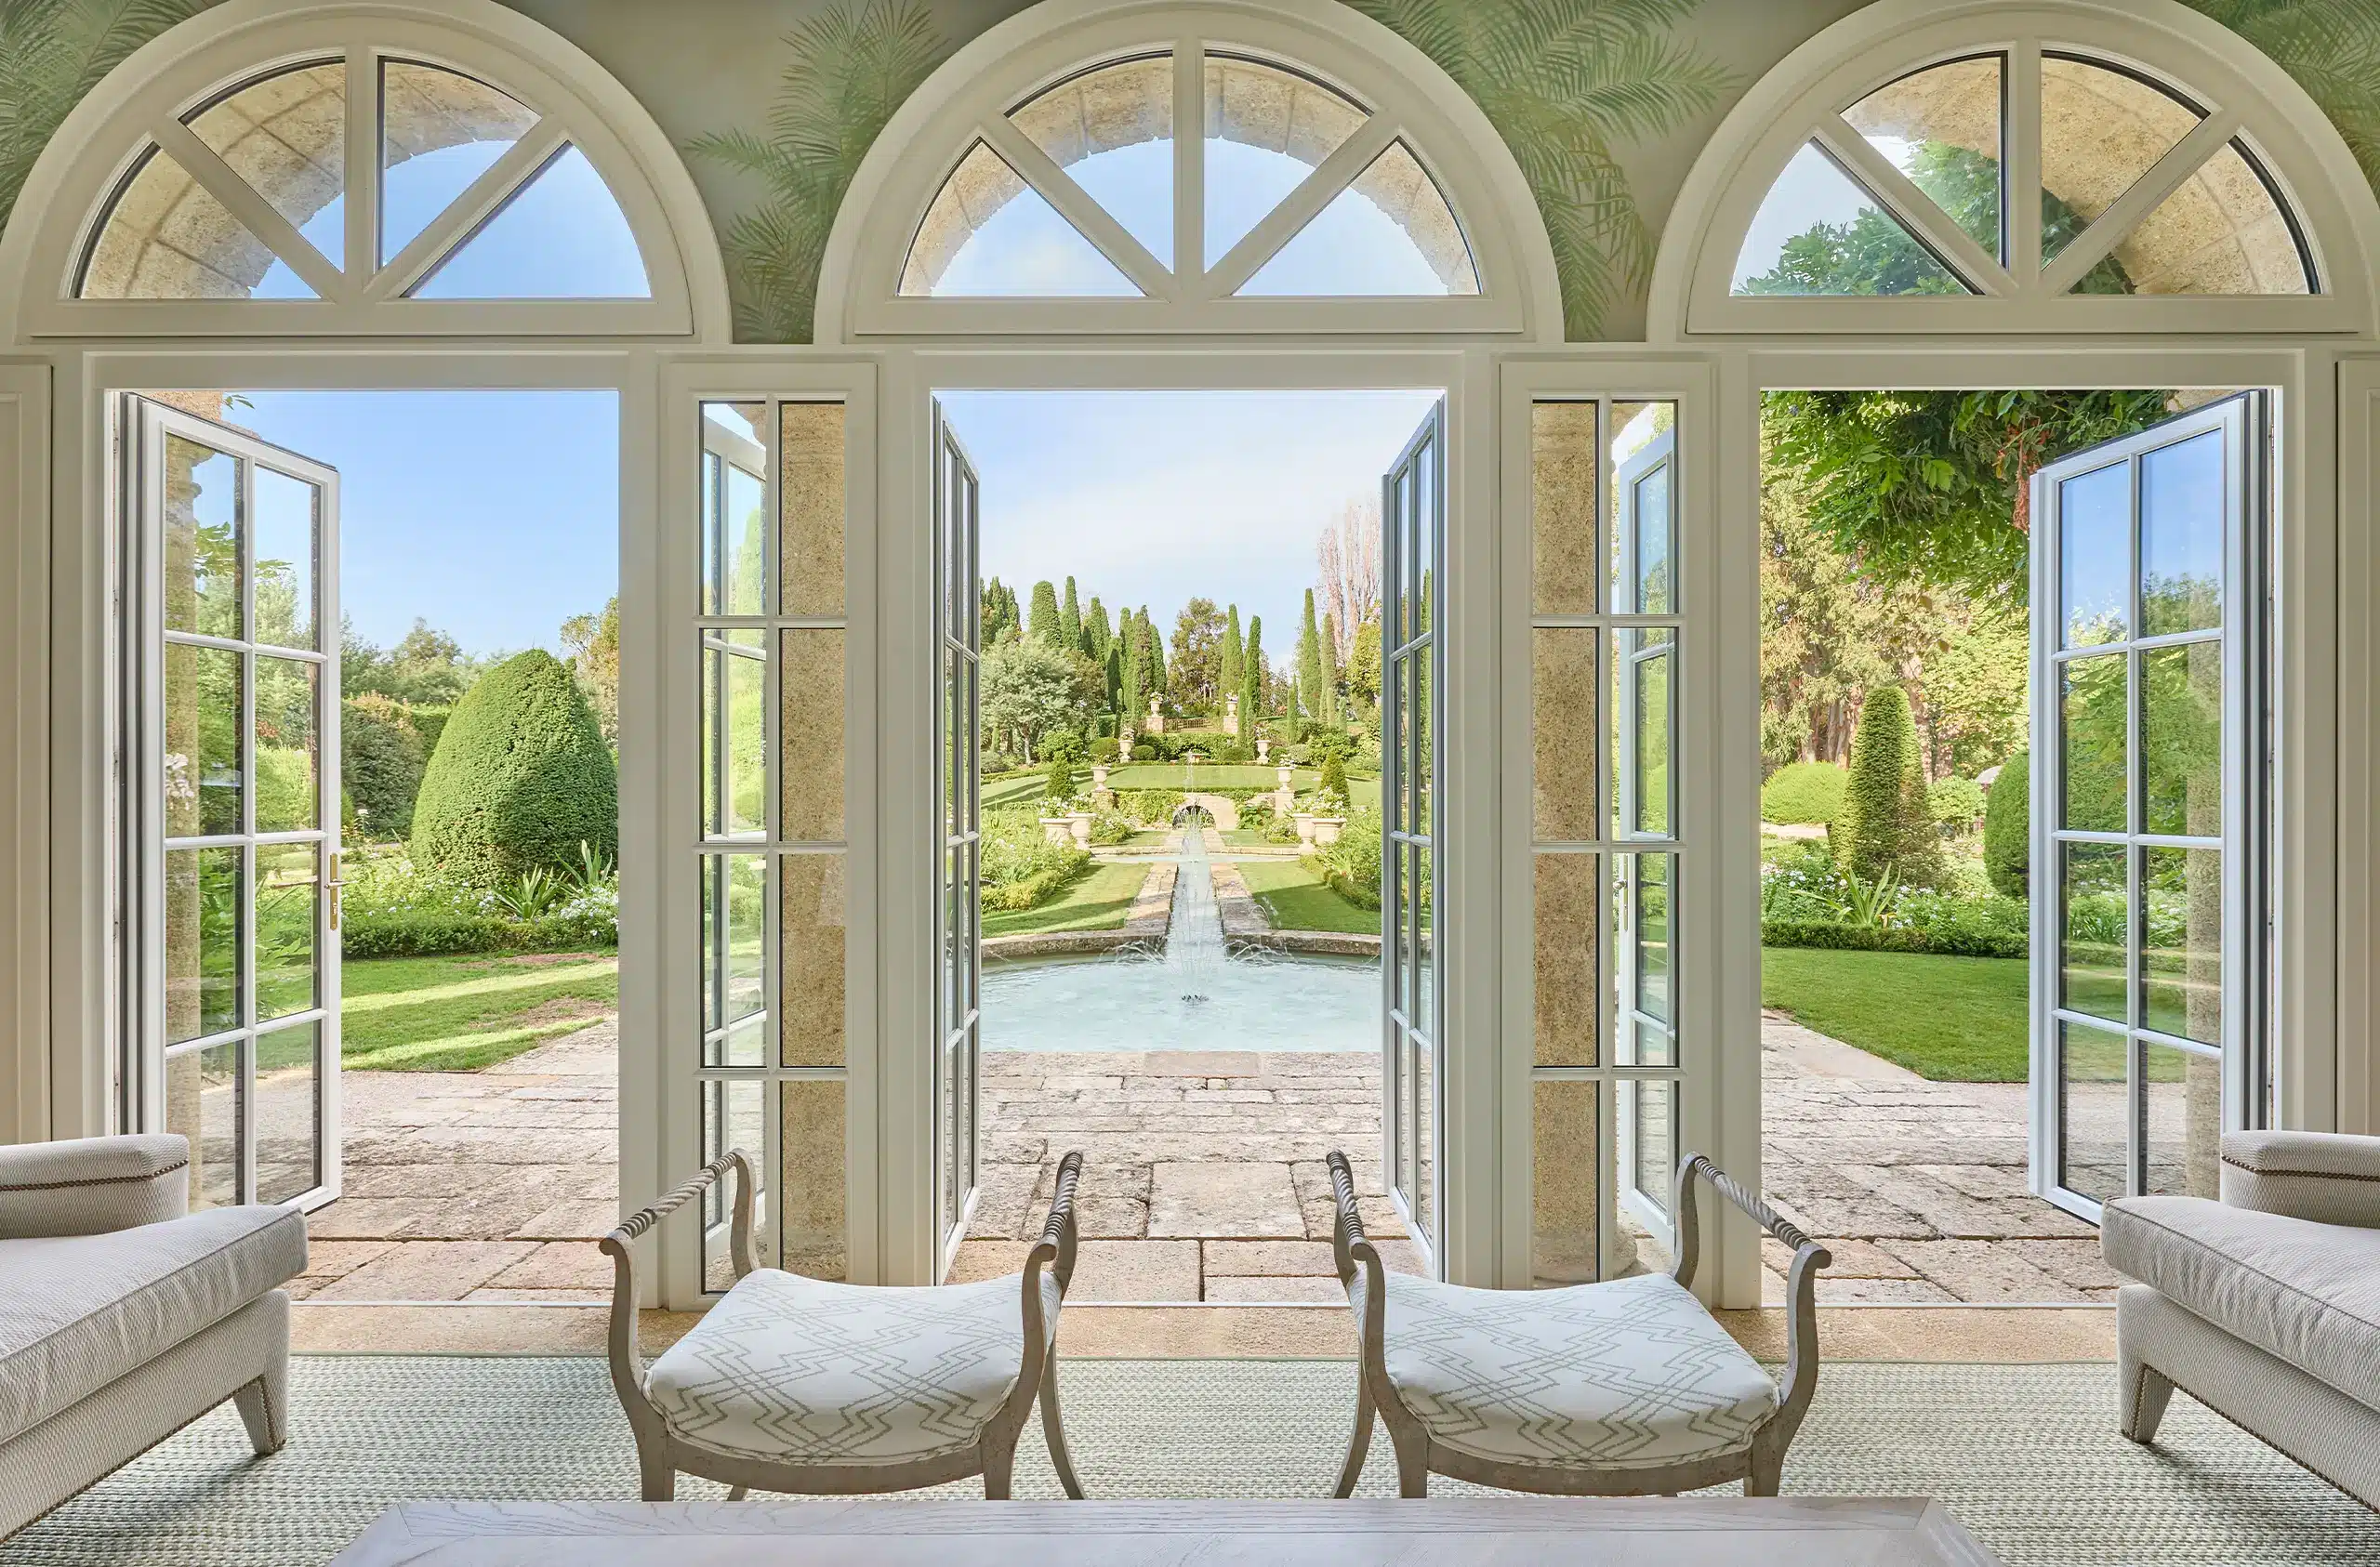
1285,798
1325,829
1304,819
1078,828
1059,830
1102,796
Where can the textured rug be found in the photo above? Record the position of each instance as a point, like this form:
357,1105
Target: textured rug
2026,1456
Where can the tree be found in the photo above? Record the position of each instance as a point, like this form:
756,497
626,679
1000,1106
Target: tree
1884,825
426,667
1348,553
520,780
1044,626
1159,679
1235,651
2009,827
1362,671
1198,655
1070,620
1251,669
380,761
1033,691
1332,711
1129,704
593,641
1097,640
993,614
1310,661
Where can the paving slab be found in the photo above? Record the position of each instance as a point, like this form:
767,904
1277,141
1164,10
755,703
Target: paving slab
1223,1200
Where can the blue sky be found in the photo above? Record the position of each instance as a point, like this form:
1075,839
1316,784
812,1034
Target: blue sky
1149,497
492,514
1811,191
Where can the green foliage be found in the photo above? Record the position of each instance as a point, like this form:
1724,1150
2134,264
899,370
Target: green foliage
521,778
1883,823
54,51
1041,622
2007,827
1333,781
1070,619
284,785
431,723
1058,782
1033,693
2333,50
1803,793
1195,679
391,909
1021,867
425,668
1351,866
1954,802
381,754
849,68
1234,656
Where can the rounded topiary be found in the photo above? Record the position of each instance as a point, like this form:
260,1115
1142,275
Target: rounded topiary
1803,795
1884,825
381,754
1333,781
2008,828
520,779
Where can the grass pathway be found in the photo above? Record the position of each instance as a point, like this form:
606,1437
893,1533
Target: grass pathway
1955,1019
467,1011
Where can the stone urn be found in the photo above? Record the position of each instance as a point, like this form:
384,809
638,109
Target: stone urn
1101,795
1059,830
1304,819
1078,828
1325,829
1264,749
1285,798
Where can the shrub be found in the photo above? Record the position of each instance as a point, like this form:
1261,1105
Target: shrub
380,761
391,909
1351,866
1803,795
1882,827
1104,748
284,785
1145,749
1954,802
429,722
1333,781
1058,784
1022,869
2009,827
1110,827
521,778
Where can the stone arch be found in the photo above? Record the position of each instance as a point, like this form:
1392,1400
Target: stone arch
1223,812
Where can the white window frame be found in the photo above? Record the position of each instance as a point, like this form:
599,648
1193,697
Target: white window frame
73,185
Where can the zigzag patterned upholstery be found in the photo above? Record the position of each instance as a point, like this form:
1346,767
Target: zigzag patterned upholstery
795,1370
1624,1374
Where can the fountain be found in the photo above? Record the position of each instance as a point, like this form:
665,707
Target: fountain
1194,933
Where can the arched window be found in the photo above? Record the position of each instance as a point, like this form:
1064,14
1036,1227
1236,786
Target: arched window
1050,186
317,172
2017,168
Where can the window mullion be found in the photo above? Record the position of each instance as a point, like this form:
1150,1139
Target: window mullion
2141,198
480,200
1190,169
242,200
2020,165
363,172
1094,222
1923,215
1302,206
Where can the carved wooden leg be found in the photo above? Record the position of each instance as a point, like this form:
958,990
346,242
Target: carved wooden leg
999,1462
2143,1392
1359,1442
264,1409
1412,1461
1053,1430
736,1492
660,1478
1768,1471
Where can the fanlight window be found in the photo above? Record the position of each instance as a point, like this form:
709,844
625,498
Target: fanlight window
473,195
1908,191
1307,194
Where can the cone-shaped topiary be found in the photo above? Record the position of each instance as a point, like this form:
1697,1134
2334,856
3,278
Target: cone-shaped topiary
1882,824
521,778
2009,827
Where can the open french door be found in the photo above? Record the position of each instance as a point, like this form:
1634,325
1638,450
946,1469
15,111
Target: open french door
1413,514
959,996
232,805
2148,780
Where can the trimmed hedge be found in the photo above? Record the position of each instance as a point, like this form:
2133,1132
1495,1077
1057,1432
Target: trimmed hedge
382,752
2007,827
1956,941
521,778
1803,795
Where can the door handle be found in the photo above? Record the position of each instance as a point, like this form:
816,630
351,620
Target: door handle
332,885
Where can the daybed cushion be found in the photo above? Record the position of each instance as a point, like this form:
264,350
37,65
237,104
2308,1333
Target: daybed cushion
2305,1291
791,1370
77,1311
1632,1374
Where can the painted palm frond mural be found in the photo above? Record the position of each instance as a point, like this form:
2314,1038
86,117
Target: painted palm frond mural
1566,82
2333,50
852,66
54,51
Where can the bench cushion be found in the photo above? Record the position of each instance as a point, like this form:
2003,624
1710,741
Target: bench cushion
1631,1374
2305,1291
77,1311
791,1370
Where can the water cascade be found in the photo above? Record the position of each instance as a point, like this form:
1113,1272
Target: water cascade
1194,934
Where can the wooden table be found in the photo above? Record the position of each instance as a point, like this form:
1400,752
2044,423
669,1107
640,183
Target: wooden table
1655,1532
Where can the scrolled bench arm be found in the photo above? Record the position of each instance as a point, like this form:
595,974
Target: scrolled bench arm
627,1361
1800,1285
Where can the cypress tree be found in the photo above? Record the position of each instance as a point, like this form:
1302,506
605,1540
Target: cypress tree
1251,663
1043,627
1227,677
1096,638
1250,696
1111,670
1330,675
1070,620
1884,823
2009,827
1156,641
1129,704
1310,661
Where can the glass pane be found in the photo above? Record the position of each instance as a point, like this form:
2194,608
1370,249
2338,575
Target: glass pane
2221,231
2183,1121
1564,1195
735,674
2181,536
289,1126
1569,926
1112,129
2092,718
2181,739
1398,915
1562,507
1941,126
735,937
1425,951
816,1228
287,541
1267,129
1647,661
745,1043
286,136
1652,525
1819,232
167,237
1635,430
1648,1138
2090,953
2181,955
2092,1091
1645,886
733,1118
204,914
202,542
1562,726
810,927
561,236
1390,233
2095,542
201,756
810,735
202,1104
288,791
288,889
988,234
2101,130
439,130
810,503
1421,758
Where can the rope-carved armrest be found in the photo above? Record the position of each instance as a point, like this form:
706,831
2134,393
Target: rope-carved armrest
1359,1259
1802,1321
628,1364
1053,1253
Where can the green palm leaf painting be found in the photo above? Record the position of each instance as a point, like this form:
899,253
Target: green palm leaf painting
2333,50
851,67
54,51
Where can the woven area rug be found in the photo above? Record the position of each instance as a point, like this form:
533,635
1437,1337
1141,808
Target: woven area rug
2026,1456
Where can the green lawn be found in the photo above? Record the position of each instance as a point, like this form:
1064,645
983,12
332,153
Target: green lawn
1013,791
1101,900
1204,775
461,1013
1956,1019
1297,900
